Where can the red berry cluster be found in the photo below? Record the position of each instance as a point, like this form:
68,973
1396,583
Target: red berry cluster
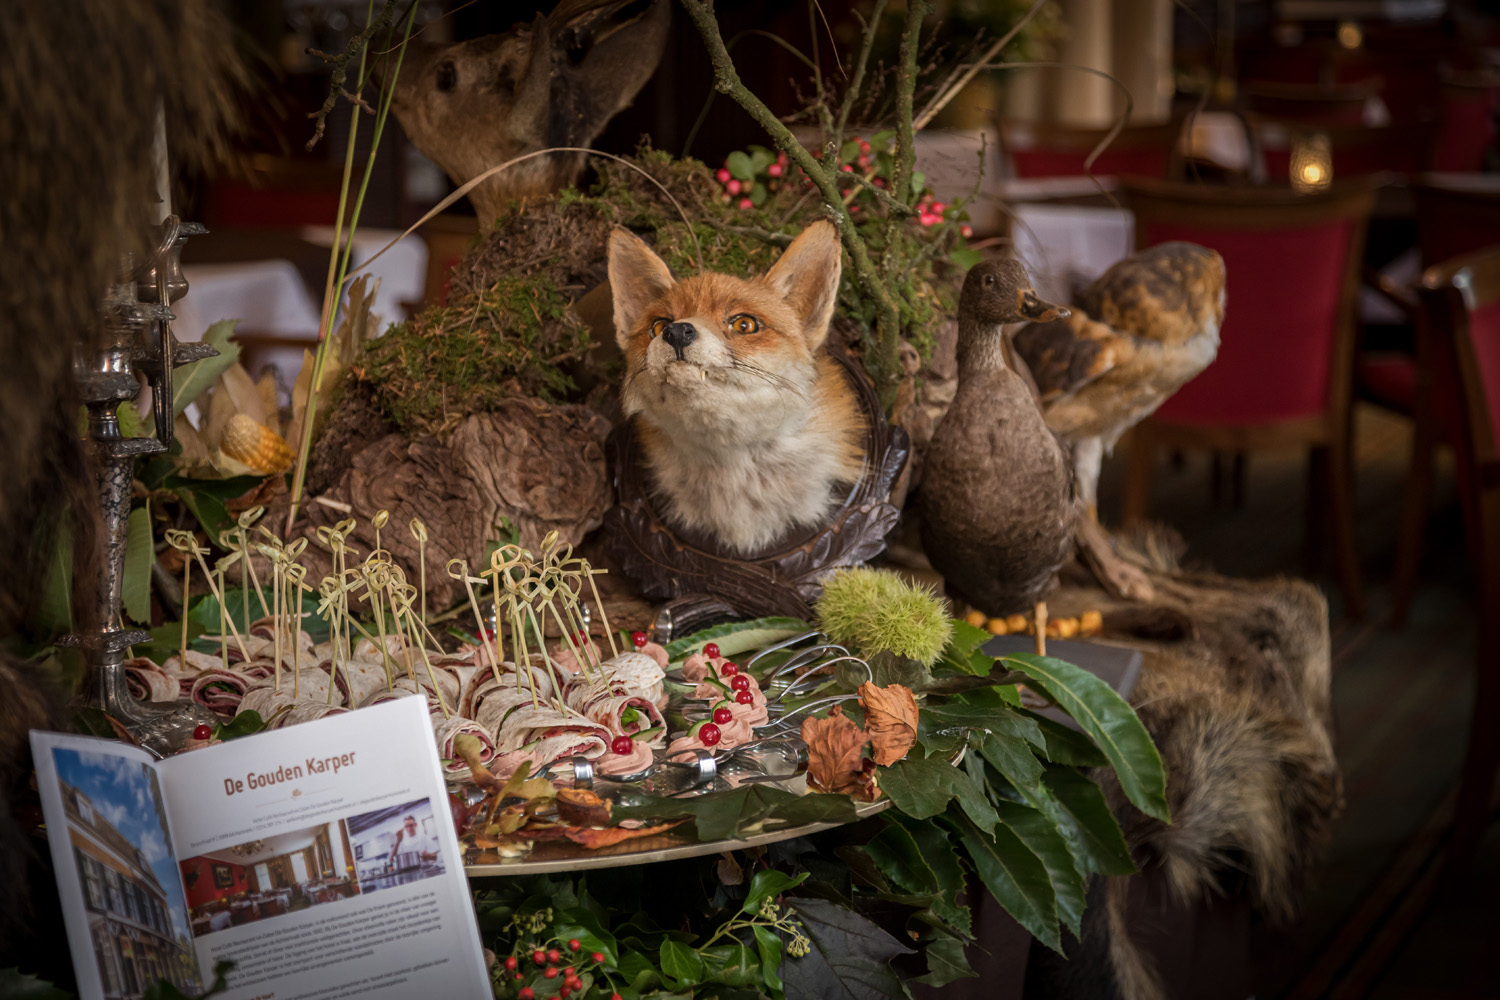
739,191
555,975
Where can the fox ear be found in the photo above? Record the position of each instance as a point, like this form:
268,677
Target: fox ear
637,278
807,276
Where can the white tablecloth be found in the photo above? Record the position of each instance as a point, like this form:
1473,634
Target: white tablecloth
1064,247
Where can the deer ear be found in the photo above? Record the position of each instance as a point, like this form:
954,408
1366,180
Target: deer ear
807,277
637,278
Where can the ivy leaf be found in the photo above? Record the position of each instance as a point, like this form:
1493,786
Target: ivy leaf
768,882
921,787
1109,721
1037,832
135,583
850,956
731,964
1077,806
1015,876
946,962
740,167
682,963
768,943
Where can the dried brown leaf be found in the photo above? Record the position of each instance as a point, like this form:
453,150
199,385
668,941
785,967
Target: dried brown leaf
581,807
835,756
613,835
891,717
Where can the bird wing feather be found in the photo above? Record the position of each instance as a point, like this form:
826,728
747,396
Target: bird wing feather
1067,354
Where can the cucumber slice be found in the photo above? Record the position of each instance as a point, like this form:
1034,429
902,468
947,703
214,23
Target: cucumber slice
737,637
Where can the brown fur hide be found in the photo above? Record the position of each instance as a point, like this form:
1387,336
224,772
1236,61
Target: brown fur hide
78,86
1235,692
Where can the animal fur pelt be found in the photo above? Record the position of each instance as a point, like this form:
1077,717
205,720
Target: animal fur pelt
1235,692
79,84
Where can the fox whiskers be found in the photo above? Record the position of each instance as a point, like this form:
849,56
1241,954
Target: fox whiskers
777,381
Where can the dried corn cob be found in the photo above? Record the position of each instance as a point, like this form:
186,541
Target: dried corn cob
252,443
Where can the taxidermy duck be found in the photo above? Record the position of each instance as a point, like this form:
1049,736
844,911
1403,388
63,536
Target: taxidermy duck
997,499
1137,334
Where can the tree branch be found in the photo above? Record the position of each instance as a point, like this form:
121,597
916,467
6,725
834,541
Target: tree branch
886,363
856,82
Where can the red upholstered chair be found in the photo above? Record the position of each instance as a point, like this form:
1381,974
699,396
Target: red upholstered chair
1466,123
1283,373
1038,150
1461,304
1456,215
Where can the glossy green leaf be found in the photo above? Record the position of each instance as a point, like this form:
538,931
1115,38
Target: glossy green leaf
1011,755
768,883
581,924
1044,839
733,964
1109,721
850,956
193,380
896,854
921,787
135,583
1062,745
739,166
941,856
1015,876
16,985
733,638
54,612
682,963
946,962
243,724
1077,806
768,944
962,652
964,258
740,811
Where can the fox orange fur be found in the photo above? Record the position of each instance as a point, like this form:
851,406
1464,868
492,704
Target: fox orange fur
746,424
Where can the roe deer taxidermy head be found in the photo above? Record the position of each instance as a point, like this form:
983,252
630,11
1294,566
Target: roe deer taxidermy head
554,81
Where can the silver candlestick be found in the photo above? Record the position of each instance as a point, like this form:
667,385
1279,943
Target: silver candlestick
137,321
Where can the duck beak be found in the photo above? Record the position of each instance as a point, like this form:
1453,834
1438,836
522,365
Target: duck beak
1034,309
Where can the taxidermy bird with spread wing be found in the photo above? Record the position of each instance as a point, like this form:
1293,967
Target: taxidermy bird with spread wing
1141,331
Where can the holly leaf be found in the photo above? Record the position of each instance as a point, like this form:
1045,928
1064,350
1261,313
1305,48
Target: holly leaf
1037,832
849,959
921,787
1015,876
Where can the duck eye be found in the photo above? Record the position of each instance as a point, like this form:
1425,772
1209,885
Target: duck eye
989,279
744,323
658,325
447,76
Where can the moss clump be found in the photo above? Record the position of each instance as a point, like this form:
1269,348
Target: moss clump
512,338
876,611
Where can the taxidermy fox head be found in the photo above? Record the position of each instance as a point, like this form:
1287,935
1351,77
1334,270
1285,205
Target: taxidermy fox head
552,81
746,424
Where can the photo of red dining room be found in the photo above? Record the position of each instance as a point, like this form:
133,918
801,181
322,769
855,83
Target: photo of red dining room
265,878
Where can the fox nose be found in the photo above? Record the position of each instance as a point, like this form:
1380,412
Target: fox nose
678,336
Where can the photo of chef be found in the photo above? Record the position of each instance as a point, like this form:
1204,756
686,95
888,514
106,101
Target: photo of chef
396,845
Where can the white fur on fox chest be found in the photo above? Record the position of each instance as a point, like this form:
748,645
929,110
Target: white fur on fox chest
734,455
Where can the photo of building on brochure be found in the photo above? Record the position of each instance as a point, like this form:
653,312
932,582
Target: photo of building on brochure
396,845
268,877
137,916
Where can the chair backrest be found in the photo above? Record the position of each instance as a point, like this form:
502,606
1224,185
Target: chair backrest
1466,124
1356,150
1456,214
1039,150
1462,298
1316,104
1292,264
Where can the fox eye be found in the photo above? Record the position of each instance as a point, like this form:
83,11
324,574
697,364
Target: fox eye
744,323
658,325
